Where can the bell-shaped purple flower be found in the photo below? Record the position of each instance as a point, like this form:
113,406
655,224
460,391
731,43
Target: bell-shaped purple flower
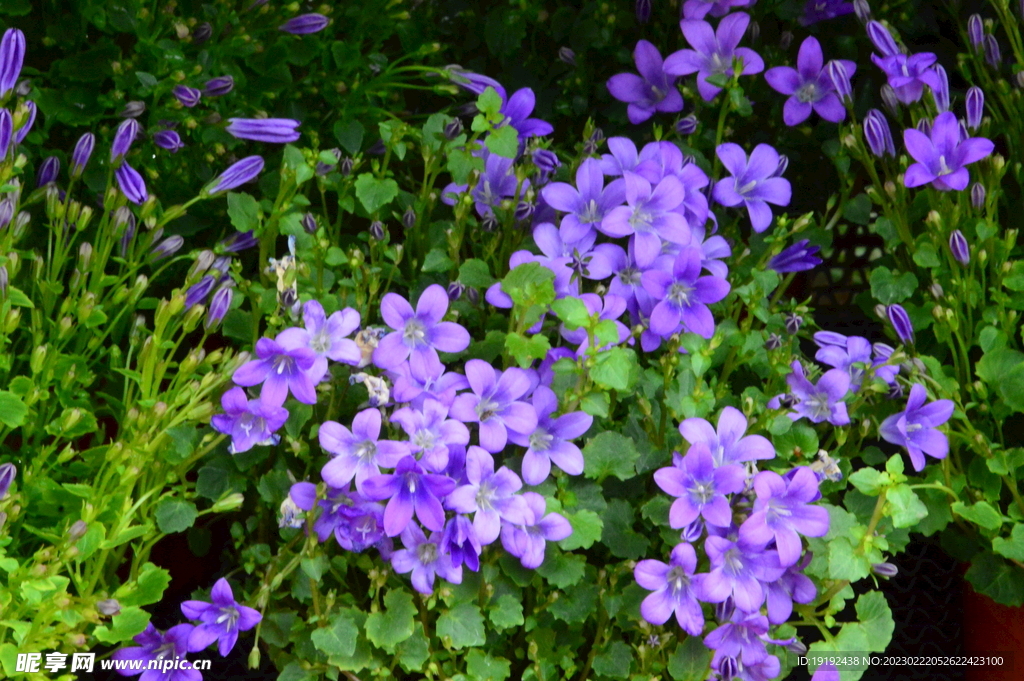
155,648
700,488
908,74
221,620
280,369
527,541
123,138
237,174
900,321
272,130
489,495
169,140
799,257
424,558
586,204
131,183
517,112
327,336
248,422
821,402
916,427
186,96
729,443
651,216
652,91
809,85
418,335
975,105
494,403
684,296
551,441
219,86
80,156
782,512
674,588
753,183
877,134
713,52
430,432
305,24
959,248
738,570
12,57
941,160
410,490
358,453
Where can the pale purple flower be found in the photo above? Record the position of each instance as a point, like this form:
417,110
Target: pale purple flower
782,512
328,337
410,490
941,159
916,427
489,495
854,355
416,384
527,541
197,293
430,432
424,558
729,443
738,570
305,24
273,130
237,174
823,10
713,52
684,296
165,248
131,183
740,639
792,587
494,403
12,57
908,74
713,249
169,140
809,85
187,96
418,335
649,217
551,440
279,369
358,453
156,646
248,422
821,402
700,488
674,588
221,620
652,91
799,257
586,204
753,182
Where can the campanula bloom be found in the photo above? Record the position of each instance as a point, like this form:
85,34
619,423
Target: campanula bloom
327,336
674,588
854,355
48,171
424,558
713,52
527,542
410,490
650,216
652,91
80,156
823,10
877,134
684,296
792,587
517,112
700,488
490,496
430,432
916,427
169,140
21,133
221,620
417,335
942,156
809,85
237,174
131,183
305,24
187,96
551,441
753,182
821,402
123,138
975,30
12,57
460,542
495,403
279,368
248,422
358,453
739,641
157,646
782,513
799,257
959,248
416,384
586,204
729,443
273,130
738,570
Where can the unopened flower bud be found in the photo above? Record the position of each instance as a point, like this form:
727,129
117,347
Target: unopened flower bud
409,218
489,223
785,40
793,323
377,230
202,33
936,290
229,503
108,607
880,311
133,109
308,223
959,248
455,290
978,195
687,125
862,10
890,101
77,530
900,321
884,569
567,56
453,129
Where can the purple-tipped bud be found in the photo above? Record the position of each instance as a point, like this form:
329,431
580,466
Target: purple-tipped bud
797,647
900,321
877,134
774,342
409,218
218,87
169,140
197,292
12,56
885,569
188,96
841,81
80,156
273,130
975,104
785,40
978,195
472,295
643,11
108,607
324,168
203,32
308,223
123,138
959,248
455,290
131,183
890,101
546,160
346,165
377,230
799,257
693,531
304,24
925,126
781,166
237,174
26,127
992,54
239,241
725,610
882,39
793,323
220,303
524,211
129,228
7,474
167,247
133,109
975,30
687,125
941,93
77,530
6,212
452,129
48,171
6,132
863,10
567,56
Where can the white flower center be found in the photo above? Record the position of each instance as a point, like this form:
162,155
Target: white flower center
541,440
414,333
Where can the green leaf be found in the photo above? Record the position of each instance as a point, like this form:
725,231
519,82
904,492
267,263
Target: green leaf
1012,548
480,666
926,256
373,193
175,516
315,567
690,661
904,506
12,410
526,350
507,612
586,529
350,135
489,103
530,284
997,363
1014,280
244,211
981,513
503,141
618,534
888,288
475,273
614,661
615,369
609,453
876,619
858,210
462,626
844,563
149,587
18,297
1001,581
414,651
183,442
1011,388
461,163
386,629
562,569
572,311
339,639
577,603
869,481
437,260
128,623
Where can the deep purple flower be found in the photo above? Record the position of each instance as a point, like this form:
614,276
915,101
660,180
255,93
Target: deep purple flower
792,587
959,248
80,156
123,138
327,336
169,140
187,96
908,74
8,472
424,558
551,440
48,171
753,183
782,513
675,589
809,85
494,403
823,10
219,86
941,159
418,335
358,453
220,303
586,204
517,112
157,647
6,132
197,293
12,57
410,490
221,620
304,24
992,54
650,216
684,296
975,105
131,183
713,52
739,641
738,570
527,541
21,133
900,321
916,427
821,402
799,257
700,488
729,443
430,432
237,174
489,495
460,542
248,422
653,90
238,241
687,125
975,30
279,369
876,132
273,130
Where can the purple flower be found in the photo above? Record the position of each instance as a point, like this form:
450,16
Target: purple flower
609,308
304,24
684,296
237,174
418,335
740,640
527,541
239,241
494,403
975,105
248,422
551,440
799,257
6,132
187,96
586,204
517,112
650,216
123,138
273,130
782,513
430,432
165,248
8,472
424,558
131,183
80,156
853,355
653,90
26,127
221,620
169,140
12,57
713,53
219,86
941,94
823,10
882,39
792,587
325,336
828,671
700,488
753,183
675,589
279,369
197,293
941,159
48,171
821,402
358,453
959,248
908,74
975,30
460,542
416,384
220,303
738,570
729,444
876,132
489,495
900,321
410,490
157,647
916,427
809,85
